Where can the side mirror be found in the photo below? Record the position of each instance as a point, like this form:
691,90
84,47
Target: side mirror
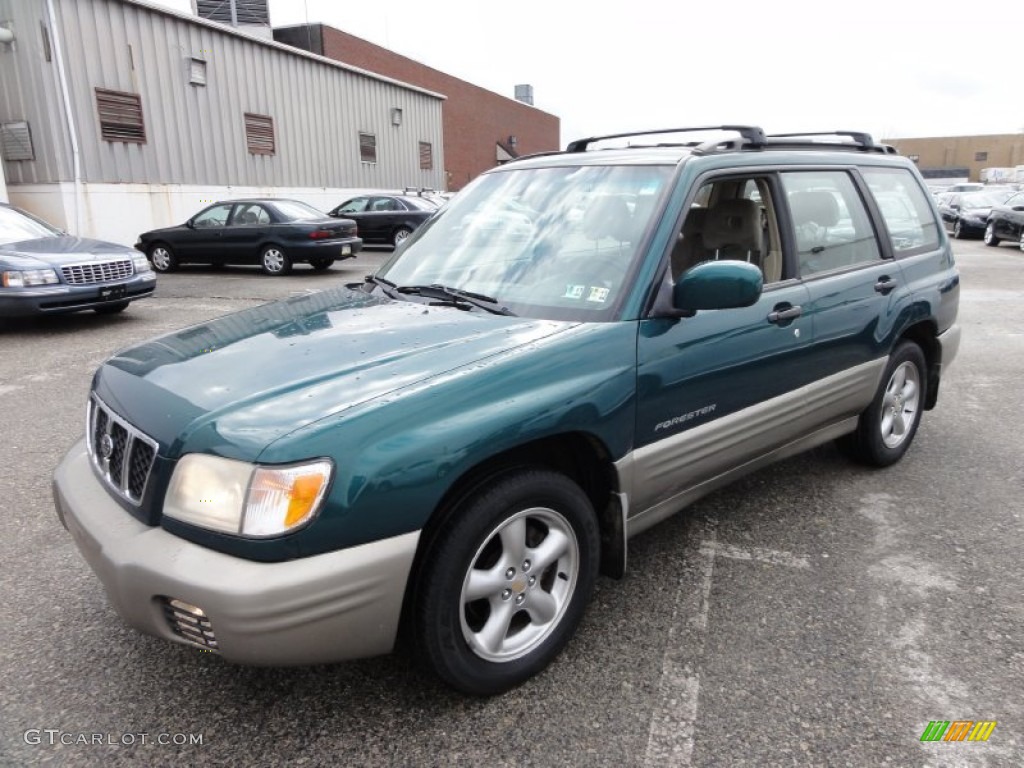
955,206
717,285
1018,208
191,224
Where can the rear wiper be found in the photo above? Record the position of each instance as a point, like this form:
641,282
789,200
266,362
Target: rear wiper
456,297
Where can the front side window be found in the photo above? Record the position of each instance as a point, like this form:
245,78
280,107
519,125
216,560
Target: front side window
557,243
356,205
212,217
908,215
832,226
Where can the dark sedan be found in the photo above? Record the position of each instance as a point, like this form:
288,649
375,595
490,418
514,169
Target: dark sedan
1006,222
387,219
275,234
965,214
44,270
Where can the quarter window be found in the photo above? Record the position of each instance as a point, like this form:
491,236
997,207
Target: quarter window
905,209
832,227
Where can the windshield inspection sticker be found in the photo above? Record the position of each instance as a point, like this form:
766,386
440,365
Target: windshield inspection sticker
598,294
574,292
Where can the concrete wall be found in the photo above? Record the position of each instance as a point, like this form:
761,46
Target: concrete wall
475,119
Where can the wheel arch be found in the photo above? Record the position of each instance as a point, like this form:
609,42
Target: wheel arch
925,335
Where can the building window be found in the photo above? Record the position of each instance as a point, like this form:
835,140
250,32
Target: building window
980,157
368,147
426,156
197,71
16,142
259,134
120,116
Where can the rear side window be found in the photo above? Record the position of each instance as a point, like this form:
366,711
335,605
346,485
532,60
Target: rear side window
905,208
832,227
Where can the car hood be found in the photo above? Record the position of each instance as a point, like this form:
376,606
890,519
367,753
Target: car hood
57,251
234,385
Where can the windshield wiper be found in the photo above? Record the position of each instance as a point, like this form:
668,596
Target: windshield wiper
456,297
389,288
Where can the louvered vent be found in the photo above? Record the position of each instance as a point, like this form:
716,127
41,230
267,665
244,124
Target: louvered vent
120,116
246,11
426,156
259,134
368,147
16,141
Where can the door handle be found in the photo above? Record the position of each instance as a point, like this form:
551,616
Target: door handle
885,285
783,313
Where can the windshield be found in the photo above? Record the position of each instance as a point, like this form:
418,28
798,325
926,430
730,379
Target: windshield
551,243
293,210
15,226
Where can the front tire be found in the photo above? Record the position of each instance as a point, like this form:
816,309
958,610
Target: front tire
958,232
504,582
990,234
887,427
1022,241
274,261
162,258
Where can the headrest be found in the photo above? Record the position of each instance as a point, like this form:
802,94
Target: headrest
693,224
733,222
815,206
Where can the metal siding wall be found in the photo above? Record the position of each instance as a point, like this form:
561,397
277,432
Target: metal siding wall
29,90
196,134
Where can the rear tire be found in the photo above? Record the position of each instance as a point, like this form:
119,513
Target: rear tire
400,236
504,581
887,427
274,261
990,235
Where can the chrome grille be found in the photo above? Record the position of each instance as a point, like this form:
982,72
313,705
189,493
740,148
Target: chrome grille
97,272
189,622
122,454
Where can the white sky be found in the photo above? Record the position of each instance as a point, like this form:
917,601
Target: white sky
896,69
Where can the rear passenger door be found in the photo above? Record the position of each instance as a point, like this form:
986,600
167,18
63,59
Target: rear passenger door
856,289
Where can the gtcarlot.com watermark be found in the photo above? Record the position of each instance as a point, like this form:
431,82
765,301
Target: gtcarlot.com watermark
53,736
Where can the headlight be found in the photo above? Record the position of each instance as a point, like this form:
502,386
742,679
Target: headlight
245,499
141,264
29,277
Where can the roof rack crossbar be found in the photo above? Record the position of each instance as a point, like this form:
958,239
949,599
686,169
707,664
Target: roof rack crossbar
864,139
752,135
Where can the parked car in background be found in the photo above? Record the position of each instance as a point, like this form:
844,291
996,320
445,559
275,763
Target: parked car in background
273,233
387,219
966,186
965,214
44,270
1006,222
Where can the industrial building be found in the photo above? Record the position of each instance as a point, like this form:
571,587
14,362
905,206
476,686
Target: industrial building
117,116
481,128
962,156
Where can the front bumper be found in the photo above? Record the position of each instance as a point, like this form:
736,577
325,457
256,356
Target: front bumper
331,607
54,299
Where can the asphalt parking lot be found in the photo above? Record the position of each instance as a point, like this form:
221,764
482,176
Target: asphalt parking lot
815,613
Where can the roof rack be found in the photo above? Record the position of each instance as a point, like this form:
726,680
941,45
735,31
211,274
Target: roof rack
863,140
752,136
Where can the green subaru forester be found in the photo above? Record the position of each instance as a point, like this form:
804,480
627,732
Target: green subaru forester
576,347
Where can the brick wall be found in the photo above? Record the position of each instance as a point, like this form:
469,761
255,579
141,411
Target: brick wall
474,119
